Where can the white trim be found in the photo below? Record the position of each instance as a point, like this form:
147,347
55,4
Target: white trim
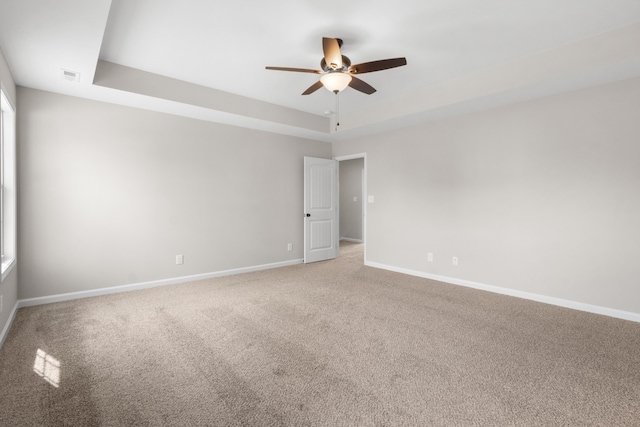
7,267
7,326
146,285
8,178
626,315
6,97
612,312
351,157
349,239
132,287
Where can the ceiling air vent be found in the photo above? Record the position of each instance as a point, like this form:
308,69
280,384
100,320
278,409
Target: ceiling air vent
72,76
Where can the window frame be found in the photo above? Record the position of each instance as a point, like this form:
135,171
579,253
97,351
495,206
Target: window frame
8,188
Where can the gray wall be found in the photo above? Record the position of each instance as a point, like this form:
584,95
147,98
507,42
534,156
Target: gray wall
9,286
350,210
539,197
109,195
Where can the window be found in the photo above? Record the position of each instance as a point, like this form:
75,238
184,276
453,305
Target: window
7,184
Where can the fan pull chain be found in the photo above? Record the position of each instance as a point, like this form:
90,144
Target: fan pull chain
337,111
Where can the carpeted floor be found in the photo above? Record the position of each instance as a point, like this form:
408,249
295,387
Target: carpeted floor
327,344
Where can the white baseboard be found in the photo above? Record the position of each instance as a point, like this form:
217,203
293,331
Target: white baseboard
7,326
620,314
146,285
29,302
349,239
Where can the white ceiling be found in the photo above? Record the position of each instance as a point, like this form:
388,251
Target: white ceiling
207,58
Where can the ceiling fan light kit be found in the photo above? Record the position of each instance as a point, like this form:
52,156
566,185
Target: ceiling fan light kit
336,81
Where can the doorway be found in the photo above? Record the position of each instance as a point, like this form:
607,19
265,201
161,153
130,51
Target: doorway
352,200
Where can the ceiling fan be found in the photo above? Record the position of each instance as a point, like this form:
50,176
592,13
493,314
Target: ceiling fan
337,72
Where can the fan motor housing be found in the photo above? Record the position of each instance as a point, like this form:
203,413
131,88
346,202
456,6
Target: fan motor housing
346,63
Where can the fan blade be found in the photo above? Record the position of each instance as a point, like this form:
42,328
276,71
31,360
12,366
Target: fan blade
383,64
297,70
314,87
332,55
358,84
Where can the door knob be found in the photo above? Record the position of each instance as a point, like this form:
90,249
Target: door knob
308,215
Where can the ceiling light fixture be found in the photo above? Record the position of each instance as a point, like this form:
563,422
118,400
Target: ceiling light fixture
337,72
335,81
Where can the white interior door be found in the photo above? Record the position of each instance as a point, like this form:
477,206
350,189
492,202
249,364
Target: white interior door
320,209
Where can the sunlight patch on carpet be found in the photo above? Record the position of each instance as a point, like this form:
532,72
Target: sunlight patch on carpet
48,367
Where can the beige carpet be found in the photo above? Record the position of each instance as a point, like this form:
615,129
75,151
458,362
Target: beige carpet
328,344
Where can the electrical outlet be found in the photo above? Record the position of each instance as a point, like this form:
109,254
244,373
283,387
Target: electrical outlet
430,257
289,247
179,259
454,260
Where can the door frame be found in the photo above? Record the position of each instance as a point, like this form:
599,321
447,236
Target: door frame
364,195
